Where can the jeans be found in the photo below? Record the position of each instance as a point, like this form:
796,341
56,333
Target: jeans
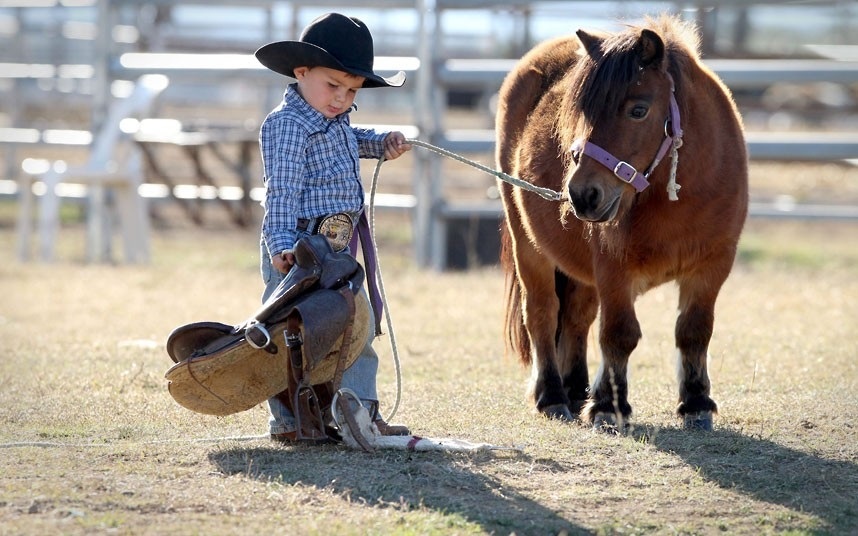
360,377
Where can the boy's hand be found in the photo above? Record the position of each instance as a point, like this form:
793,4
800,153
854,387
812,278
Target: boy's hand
283,261
395,145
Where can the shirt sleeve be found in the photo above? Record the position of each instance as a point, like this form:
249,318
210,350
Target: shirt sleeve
283,147
370,142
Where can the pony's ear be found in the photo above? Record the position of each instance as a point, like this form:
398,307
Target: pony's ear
651,48
592,43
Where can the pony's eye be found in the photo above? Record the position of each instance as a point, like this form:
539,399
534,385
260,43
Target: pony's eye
638,111
575,151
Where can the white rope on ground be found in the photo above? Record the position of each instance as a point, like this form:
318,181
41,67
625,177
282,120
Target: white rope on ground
368,438
55,444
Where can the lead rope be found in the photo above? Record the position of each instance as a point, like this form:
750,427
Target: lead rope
545,193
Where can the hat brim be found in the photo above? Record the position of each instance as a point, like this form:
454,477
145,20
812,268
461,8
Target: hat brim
284,56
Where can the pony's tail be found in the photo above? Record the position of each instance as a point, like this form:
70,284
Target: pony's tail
516,338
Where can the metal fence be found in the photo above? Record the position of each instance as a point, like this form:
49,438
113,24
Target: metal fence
435,73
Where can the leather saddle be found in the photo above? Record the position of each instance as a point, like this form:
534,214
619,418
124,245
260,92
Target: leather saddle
312,327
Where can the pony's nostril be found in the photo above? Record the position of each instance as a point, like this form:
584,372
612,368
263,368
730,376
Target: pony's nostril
593,197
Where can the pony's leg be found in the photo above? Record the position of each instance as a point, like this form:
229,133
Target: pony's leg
539,305
578,307
693,331
540,309
618,336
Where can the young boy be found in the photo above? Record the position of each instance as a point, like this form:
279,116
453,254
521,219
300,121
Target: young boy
310,156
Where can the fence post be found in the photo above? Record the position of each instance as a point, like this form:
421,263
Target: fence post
428,126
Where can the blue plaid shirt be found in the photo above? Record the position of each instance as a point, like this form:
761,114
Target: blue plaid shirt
311,165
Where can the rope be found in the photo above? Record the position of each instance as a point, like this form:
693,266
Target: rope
672,186
54,444
545,193
397,365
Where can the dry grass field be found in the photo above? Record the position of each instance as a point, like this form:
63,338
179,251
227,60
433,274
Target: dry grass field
91,442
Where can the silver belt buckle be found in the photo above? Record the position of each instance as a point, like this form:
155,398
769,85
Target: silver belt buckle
338,229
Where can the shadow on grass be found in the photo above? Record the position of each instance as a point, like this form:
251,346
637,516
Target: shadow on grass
447,483
770,472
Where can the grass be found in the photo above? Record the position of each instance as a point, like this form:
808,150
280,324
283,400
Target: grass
90,440
820,247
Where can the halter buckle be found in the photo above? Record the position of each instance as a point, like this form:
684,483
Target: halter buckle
625,171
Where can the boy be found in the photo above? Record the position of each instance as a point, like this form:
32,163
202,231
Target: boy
310,158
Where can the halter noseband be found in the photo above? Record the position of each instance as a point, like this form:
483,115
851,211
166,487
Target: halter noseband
625,171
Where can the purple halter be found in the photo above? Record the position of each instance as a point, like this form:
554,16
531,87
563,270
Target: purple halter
622,169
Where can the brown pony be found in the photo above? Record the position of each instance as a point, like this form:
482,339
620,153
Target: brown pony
566,109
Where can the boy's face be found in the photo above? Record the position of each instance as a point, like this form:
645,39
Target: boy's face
328,91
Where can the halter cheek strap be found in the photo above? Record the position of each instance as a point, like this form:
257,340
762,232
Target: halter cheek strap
627,172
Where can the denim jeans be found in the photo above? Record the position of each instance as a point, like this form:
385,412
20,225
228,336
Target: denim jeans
360,377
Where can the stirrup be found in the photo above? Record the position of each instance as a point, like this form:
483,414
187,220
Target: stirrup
344,417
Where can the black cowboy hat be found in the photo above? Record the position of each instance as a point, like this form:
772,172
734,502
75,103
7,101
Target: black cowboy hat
334,41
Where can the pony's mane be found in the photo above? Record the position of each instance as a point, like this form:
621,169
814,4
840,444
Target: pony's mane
598,87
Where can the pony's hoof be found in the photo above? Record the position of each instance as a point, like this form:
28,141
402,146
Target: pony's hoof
609,423
698,421
558,411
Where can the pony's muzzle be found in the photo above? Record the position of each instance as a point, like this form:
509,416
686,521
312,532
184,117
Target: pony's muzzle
592,202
